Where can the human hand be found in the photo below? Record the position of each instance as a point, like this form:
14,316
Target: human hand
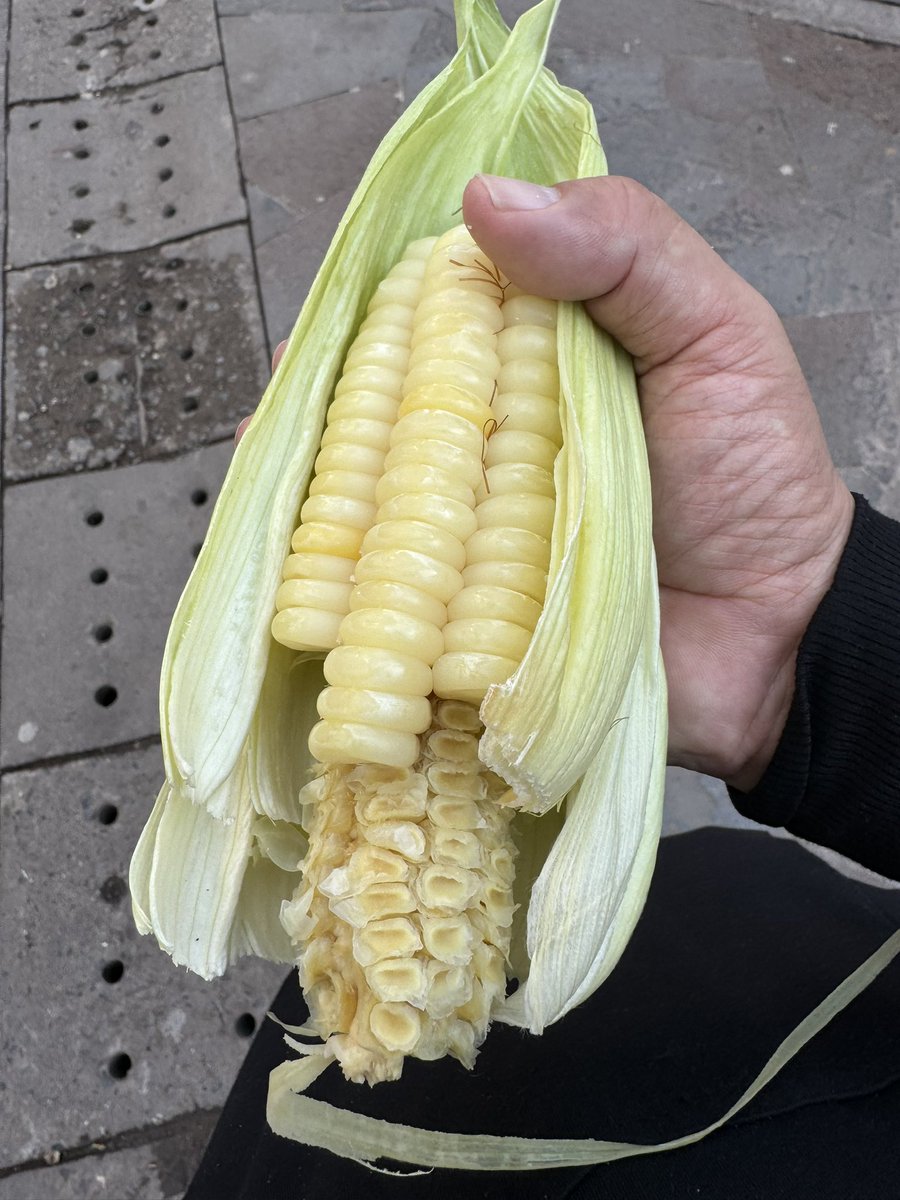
749,513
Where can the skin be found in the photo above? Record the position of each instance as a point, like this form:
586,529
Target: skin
749,513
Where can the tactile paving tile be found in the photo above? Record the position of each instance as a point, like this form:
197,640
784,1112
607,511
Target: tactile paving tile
93,567
121,170
122,358
69,47
99,1032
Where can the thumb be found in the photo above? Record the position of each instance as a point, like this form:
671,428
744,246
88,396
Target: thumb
645,275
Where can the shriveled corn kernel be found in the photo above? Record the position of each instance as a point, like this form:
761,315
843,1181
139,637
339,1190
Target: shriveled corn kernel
397,908
394,937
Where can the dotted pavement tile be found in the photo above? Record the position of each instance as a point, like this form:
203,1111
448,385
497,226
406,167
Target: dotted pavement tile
69,47
116,359
338,52
93,567
121,170
100,1033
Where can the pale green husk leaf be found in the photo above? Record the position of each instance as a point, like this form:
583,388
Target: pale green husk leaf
353,1135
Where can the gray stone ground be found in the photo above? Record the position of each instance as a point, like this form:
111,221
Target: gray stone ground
176,170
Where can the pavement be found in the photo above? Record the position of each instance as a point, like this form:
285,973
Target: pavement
175,170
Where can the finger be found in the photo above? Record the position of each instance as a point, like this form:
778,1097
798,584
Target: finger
276,359
645,275
241,429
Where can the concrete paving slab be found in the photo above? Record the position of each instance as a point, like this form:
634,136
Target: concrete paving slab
852,364
303,245
121,358
434,47
334,139
121,170
693,801
839,99
154,1163
93,568
99,1032
652,26
65,48
126,1175
294,213
339,52
863,19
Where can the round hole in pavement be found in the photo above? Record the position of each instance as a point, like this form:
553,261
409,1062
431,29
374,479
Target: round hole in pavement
172,264
165,174
82,190
80,124
82,66
155,54
190,404
82,152
76,12
119,1066
81,225
187,352
91,376
169,211
99,575
113,889
103,633
245,1025
94,517
163,139
113,971
199,496
143,307
89,330
84,288
107,813
151,21
157,107
181,305
106,695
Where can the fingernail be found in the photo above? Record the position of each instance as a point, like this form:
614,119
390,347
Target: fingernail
241,430
515,195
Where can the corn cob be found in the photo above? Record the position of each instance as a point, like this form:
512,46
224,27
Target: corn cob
401,924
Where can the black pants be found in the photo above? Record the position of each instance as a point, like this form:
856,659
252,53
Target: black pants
742,936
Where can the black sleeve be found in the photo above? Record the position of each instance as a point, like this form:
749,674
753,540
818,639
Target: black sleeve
835,776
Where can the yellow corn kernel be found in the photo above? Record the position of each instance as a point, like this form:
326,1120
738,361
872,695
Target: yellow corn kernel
418,535
341,498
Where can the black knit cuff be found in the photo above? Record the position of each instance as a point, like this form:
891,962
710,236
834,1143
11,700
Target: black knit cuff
835,776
